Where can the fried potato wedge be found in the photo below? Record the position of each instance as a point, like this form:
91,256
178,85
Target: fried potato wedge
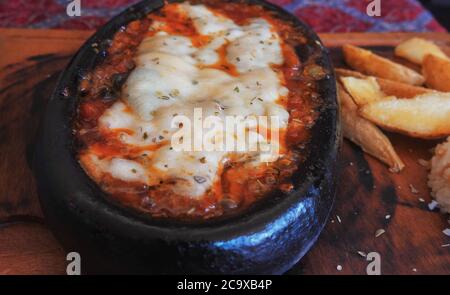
341,72
369,63
415,49
403,90
425,116
365,134
436,71
363,91
389,87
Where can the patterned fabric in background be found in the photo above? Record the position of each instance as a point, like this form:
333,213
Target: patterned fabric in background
322,15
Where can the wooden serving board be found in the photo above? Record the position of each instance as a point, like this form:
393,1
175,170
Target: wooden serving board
30,63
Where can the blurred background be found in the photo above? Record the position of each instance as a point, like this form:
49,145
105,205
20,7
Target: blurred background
322,15
440,10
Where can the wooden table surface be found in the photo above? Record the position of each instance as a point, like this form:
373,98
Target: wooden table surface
30,63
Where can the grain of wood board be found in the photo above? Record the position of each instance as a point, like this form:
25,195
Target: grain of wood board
31,61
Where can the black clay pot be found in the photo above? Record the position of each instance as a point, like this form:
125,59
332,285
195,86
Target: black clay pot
268,238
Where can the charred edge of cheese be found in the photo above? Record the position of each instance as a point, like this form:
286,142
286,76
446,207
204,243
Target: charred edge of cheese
172,77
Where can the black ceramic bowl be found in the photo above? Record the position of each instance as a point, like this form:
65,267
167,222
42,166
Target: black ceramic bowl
268,238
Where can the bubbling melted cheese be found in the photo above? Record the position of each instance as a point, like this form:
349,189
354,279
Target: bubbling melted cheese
173,76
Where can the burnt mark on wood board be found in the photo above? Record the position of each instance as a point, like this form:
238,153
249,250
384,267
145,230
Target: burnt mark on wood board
26,88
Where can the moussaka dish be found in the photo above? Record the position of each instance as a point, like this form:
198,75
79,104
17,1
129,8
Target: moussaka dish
136,129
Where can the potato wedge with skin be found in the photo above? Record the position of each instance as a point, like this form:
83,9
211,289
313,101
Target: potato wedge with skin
341,72
389,87
436,71
425,116
403,90
365,134
363,91
371,64
415,49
